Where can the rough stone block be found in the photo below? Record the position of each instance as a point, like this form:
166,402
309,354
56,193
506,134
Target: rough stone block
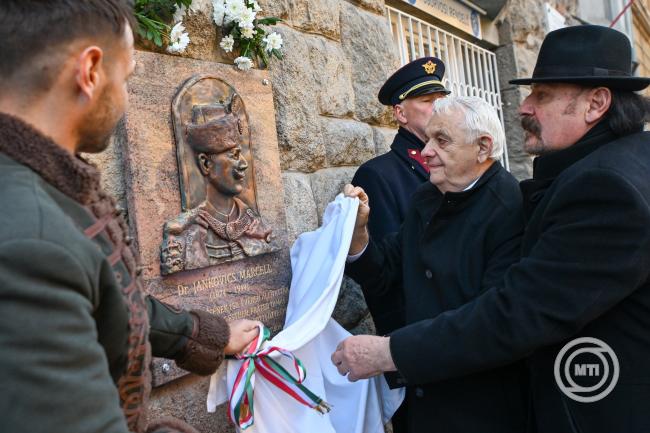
299,204
351,306
333,77
365,327
383,138
327,183
185,399
521,167
347,142
294,92
110,164
377,6
369,46
313,78
316,16
275,8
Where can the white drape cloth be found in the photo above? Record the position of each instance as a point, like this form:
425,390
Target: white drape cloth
317,262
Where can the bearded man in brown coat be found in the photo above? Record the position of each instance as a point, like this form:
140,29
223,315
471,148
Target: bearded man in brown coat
77,330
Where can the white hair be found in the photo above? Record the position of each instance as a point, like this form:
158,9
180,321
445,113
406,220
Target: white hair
480,119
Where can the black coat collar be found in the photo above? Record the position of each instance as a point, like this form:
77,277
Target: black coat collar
403,145
550,166
408,139
429,200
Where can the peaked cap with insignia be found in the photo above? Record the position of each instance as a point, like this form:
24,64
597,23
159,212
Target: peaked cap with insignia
590,55
419,77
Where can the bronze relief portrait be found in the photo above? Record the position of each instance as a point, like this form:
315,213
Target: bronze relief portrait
220,221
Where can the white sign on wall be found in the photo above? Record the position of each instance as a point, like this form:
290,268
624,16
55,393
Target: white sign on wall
554,20
453,13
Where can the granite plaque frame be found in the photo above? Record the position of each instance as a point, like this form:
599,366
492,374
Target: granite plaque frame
158,189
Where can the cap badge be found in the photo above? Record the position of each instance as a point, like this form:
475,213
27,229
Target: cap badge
429,67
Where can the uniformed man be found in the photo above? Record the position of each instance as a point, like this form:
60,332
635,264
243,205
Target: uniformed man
390,179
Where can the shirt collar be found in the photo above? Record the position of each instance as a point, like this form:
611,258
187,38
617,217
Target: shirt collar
471,185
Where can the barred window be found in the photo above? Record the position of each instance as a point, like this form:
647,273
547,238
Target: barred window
470,69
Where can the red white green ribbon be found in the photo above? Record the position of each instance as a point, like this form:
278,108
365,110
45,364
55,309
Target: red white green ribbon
257,360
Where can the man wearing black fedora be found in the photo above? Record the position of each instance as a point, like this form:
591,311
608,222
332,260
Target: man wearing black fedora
577,305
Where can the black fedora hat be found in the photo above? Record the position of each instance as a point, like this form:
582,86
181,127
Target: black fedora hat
590,55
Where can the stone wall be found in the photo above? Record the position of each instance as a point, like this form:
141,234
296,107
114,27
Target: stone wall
521,30
337,55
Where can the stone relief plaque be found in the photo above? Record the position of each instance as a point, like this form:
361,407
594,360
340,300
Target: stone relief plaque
220,222
204,190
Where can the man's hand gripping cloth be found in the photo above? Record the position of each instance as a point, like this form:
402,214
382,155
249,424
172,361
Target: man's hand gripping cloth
317,262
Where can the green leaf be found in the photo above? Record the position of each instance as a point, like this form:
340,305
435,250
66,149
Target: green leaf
158,39
268,21
277,53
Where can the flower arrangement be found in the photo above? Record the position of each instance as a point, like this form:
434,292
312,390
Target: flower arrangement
161,21
243,32
153,17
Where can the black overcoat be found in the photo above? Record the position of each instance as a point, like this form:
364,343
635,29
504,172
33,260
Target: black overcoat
584,272
448,250
390,181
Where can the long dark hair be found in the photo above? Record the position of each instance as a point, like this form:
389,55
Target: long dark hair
628,113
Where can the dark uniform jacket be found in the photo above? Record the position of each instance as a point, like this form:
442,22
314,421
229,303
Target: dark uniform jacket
76,330
390,180
584,272
450,248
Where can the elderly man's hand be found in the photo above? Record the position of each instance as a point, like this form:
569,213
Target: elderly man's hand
242,333
360,236
363,356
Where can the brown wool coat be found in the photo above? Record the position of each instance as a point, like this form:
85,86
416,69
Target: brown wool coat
77,330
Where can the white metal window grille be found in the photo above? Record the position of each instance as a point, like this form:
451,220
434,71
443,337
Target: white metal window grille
470,70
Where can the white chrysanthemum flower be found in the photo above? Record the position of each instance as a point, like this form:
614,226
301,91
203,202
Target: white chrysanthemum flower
178,39
273,41
219,11
246,18
248,32
243,63
179,14
227,43
234,8
256,6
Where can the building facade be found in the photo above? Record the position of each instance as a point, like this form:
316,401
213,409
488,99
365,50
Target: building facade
337,54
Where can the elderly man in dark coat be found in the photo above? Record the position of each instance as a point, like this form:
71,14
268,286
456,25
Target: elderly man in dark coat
391,179
77,330
461,233
577,305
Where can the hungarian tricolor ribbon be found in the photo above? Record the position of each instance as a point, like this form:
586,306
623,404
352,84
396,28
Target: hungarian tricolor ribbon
257,360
